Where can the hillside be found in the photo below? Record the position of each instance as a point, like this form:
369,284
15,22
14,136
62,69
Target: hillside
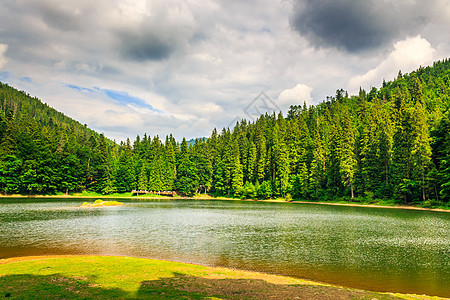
43,151
387,143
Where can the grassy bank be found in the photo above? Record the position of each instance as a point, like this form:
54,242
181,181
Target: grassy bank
87,194
381,203
96,277
341,201
346,202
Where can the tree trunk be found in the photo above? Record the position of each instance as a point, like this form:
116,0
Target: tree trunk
423,188
351,188
387,174
436,192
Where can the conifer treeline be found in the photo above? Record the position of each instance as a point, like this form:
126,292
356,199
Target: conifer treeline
392,142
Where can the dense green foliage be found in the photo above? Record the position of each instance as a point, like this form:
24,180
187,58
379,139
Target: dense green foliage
390,143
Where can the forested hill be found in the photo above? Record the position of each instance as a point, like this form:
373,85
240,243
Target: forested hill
386,143
41,150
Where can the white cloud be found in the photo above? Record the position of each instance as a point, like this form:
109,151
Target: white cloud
3,49
200,63
407,56
299,94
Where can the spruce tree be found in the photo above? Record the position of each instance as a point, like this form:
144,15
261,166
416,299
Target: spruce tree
346,151
402,148
187,178
441,156
281,161
420,148
317,165
237,175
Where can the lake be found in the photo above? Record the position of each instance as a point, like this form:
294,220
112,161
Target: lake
378,249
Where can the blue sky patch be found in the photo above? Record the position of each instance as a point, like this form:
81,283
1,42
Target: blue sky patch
78,88
26,79
4,76
120,97
123,98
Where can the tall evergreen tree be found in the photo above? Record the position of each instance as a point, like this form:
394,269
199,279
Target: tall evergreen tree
187,178
317,165
421,149
281,162
346,154
237,175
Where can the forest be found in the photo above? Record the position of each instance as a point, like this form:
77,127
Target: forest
391,142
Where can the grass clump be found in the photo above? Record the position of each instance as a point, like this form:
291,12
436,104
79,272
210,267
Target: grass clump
101,203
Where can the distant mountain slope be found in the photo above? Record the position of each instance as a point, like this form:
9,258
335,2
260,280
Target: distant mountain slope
42,150
191,142
22,105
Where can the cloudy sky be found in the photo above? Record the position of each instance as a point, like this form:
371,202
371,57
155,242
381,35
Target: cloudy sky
128,67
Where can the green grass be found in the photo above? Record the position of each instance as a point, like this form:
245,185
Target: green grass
95,195
115,195
153,196
431,204
380,202
130,278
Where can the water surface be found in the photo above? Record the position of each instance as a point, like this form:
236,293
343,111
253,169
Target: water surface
372,248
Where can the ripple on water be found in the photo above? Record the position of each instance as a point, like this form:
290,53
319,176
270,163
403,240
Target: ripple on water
371,248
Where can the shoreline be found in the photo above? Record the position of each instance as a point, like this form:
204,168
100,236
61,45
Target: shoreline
217,273
406,207
375,206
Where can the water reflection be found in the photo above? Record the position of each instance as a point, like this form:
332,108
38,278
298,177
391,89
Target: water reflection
371,248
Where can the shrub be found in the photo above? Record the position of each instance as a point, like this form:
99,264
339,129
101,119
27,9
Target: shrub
248,190
265,190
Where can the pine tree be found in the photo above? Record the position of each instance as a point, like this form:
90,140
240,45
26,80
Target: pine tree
402,148
346,154
187,178
367,147
421,149
332,162
318,164
237,175
251,162
170,154
9,169
142,178
261,156
384,139
441,156
202,160
124,175
281,161
219,180
8,141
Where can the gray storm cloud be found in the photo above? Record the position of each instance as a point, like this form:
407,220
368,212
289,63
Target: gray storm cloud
62,16
203,62
3,49
144,47
155,32
357,26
